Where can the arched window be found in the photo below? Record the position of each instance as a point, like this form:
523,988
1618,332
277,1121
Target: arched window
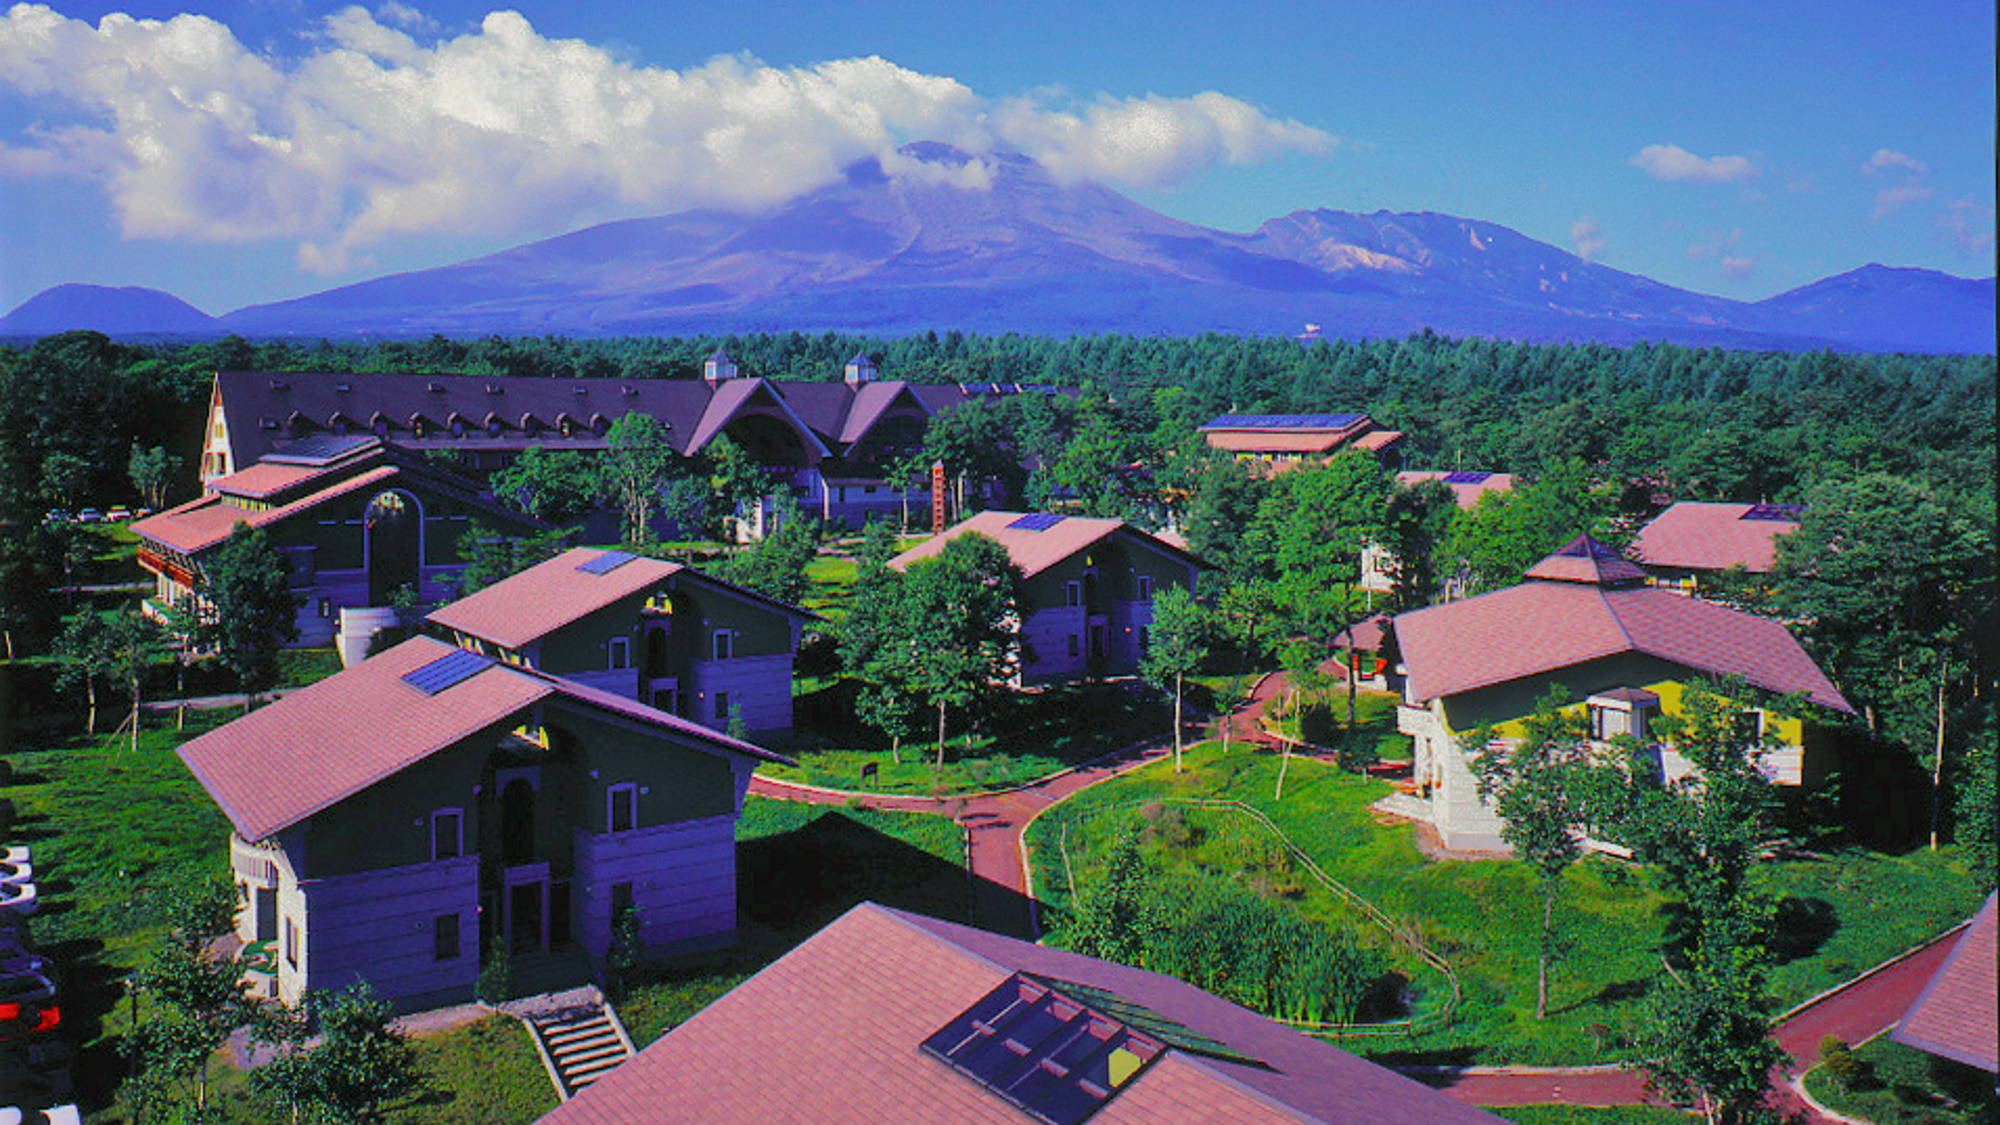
393,528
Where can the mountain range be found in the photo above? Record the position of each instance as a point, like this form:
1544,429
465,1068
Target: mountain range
889,256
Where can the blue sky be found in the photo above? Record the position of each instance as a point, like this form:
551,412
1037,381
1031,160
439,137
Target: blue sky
276,148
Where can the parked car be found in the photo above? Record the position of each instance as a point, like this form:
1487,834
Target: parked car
18,898
67,1114
56,515
120,514
90,515
20,1019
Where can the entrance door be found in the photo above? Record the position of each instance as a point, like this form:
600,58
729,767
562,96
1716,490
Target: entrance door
1098,648
524,917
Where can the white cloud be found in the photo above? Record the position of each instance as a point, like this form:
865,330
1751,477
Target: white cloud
1587,238
1672,162
1888,158
1888,201
1968,223
1738,266
373,135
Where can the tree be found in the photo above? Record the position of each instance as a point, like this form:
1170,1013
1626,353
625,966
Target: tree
84,647
361,1065
135,643
874,609
1536,784
194,1001
957,640
735,479
1175,648
776,565
558,486
65,476
636,462
490,556
1506,533
247,581
153,471
1418,520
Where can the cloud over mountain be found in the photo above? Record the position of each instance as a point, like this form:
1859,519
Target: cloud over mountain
375,134
1672,162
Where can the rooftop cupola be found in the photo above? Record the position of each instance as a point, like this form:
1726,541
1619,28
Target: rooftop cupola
861,369
1585,560
719,366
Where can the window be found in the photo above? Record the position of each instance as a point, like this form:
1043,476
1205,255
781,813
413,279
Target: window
1145,638
623,814
1598,726
326,607
621,901
1749,727
721,705
1075,645
444,937
291,943
620,653
1072,593
447,834
1145,584
725,644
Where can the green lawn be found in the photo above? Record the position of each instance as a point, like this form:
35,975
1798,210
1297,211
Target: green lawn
1909,1087
1027,735
1483,916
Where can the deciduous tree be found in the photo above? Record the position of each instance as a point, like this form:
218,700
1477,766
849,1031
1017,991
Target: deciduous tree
1175,647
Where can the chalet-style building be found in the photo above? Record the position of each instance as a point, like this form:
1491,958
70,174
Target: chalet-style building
1621,651
642,628
1086,596
885,1016
1379,565
829,444
1274,443
429,808
1954,1017
355,518
1692,541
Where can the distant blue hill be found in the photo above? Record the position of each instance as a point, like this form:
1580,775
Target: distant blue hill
1029,254
127,311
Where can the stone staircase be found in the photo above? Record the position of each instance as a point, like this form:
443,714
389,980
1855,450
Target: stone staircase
580,1041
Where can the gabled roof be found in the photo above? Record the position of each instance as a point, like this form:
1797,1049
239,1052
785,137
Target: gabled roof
1037,541
737,395
1539,627
871,402
204,522
266,479
831,1033
1289,433
317,746
1699,536
545,597
1466,486
1955,1015
1584,559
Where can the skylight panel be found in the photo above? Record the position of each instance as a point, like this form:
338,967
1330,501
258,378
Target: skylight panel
1777,513
446,671
319,449
1057,1060
1036,521
1466,477
606,562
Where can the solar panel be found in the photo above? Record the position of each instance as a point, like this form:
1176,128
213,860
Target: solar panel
1056,1059
319,449
1466,477
1036,521
1782,513
1171,1032
1283,421
605,563
452,668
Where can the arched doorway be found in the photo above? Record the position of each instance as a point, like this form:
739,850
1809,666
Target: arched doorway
517,822
394,529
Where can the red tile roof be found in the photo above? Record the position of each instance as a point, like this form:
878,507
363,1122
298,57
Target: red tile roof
830,1033
1696,536
543,598
1467,495
1538,627
1954,1015
284,762
317,746
1584,559
202,523
1034,551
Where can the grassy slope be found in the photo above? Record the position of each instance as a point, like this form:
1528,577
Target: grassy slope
1909,1087
1483,916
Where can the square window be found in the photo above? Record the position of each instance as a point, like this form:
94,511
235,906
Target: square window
623,813
1075,644
721,705
725,644
1145,584
620,651
1072,593
447,834
444,937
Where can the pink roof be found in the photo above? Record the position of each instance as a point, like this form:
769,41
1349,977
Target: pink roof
303,753
1467,495
1032,551
319,745
545,597
1291,441
831,1033
266,479
1378,440
1698,536
1584,559
1954,1016
1538,627
203,523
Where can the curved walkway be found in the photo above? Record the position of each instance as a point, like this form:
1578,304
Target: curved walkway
995,823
